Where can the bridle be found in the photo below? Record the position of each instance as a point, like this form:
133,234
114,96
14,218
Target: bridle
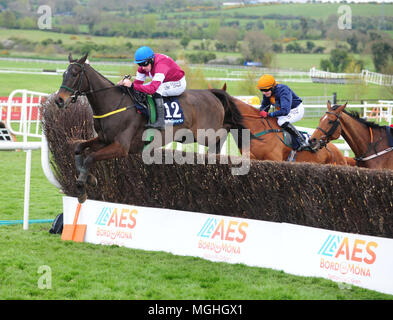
328,134
75,93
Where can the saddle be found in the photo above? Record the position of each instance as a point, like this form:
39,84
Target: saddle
292,142
145,105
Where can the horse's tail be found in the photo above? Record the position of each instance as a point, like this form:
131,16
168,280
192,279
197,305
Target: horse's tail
233,119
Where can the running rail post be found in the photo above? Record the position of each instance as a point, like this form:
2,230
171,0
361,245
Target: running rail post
27,190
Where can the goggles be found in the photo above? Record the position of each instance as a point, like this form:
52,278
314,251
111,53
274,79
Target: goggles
144,63
265,90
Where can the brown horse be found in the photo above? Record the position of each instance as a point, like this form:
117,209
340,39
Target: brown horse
268,141
368,140
120,127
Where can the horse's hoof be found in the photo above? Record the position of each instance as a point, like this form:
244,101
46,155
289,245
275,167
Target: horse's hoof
92,180
81,191
82,198
80,185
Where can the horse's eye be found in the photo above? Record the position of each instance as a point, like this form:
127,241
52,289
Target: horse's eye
74,74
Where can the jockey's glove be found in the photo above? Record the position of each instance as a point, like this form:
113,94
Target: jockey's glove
263,114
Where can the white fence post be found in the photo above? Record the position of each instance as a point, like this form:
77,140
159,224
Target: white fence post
27,190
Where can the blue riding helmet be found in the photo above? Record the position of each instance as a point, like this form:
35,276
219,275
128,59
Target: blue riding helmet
143,54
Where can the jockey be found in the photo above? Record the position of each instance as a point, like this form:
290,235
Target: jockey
289,107
167,79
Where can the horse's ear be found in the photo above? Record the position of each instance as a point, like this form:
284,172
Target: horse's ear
70,58
224,87
83,59
329,105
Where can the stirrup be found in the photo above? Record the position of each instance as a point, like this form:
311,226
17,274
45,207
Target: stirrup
303,146
156,125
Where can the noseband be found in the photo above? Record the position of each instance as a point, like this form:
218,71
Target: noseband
332,130
77,92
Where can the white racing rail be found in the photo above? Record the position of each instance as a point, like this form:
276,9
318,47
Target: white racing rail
28,127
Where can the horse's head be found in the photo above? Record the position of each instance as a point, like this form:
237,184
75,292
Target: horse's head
74,82
329,127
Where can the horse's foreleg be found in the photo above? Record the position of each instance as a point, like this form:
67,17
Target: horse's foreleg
80,148
111,151
83,172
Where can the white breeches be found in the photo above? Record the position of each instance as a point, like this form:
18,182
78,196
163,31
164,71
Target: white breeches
172,88
294,115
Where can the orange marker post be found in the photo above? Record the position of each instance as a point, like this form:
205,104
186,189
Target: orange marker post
75,232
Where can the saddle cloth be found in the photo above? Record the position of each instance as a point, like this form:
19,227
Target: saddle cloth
173,111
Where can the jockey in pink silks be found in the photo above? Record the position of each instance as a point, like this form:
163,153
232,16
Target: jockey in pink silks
167,79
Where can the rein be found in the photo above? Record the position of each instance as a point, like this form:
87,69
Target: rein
77,92
271,130
112,112
251,116
377,153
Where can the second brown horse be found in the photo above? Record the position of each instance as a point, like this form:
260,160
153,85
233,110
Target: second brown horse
270,145
371,143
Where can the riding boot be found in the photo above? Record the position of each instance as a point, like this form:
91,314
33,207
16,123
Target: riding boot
160,112
160,122
293,131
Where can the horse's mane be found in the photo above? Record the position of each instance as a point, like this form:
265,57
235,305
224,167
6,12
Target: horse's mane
233,116
356,116
100,75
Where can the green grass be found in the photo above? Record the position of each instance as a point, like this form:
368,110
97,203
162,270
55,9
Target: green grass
33,82
314,10
87,271
304,62
39,35
45,200
344,92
